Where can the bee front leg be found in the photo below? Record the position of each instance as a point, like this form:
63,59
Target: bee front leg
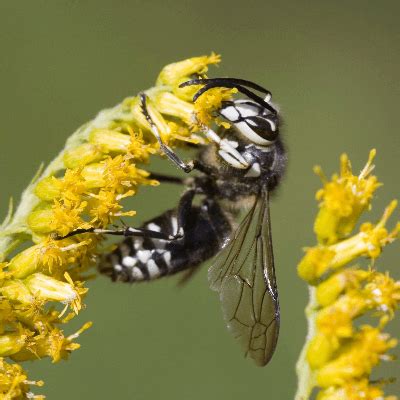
186,167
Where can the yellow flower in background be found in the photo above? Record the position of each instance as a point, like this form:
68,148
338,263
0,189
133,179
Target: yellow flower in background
104,161
340,354
343,199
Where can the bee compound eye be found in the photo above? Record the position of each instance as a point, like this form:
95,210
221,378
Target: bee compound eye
265,127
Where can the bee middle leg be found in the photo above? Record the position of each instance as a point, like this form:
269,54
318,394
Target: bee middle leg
183,211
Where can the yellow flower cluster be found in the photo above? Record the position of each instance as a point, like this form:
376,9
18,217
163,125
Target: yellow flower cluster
340,354
81,189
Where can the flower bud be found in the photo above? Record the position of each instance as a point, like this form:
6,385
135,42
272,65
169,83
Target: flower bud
109,140
12,343
15,290
47,189
320,350
25,263
80,156
47,288
40,220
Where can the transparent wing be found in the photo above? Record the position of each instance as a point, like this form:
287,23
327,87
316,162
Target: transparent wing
243,273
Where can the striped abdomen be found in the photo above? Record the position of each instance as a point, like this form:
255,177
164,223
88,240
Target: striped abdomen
142,258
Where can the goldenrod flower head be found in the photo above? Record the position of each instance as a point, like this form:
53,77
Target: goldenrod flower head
51,344
14,383
186,68
340,355
369,242
70,186
354,390
357,358
343,199
138,149
82,189
67,216
105,207
382,293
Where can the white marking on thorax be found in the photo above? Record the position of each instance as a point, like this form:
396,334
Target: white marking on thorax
264,149
174,225
254,171
153,269
129,261
137,273
153,227
118,267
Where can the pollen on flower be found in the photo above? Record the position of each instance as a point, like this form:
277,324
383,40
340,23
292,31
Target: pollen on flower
382,293
67,216
355,390
340,354
211,101
14,383
138,148
369,242
343,199
357,359
105,207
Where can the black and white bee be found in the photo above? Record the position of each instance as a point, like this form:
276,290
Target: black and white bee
236,174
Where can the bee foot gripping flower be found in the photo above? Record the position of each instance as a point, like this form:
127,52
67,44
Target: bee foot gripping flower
339,354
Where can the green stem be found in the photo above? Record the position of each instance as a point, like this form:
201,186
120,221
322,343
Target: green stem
305,376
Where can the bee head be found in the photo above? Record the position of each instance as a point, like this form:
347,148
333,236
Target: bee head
255,118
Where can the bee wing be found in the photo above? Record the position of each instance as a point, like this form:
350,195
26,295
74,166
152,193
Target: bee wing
243,273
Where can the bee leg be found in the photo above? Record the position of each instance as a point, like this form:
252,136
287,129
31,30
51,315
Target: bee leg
125,231
167,178
186,167
184,208
228,151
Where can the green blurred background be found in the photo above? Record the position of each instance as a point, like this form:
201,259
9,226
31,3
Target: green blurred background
334,69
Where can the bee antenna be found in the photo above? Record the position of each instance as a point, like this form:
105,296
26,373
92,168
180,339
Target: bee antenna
222,81
217,83
143,107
